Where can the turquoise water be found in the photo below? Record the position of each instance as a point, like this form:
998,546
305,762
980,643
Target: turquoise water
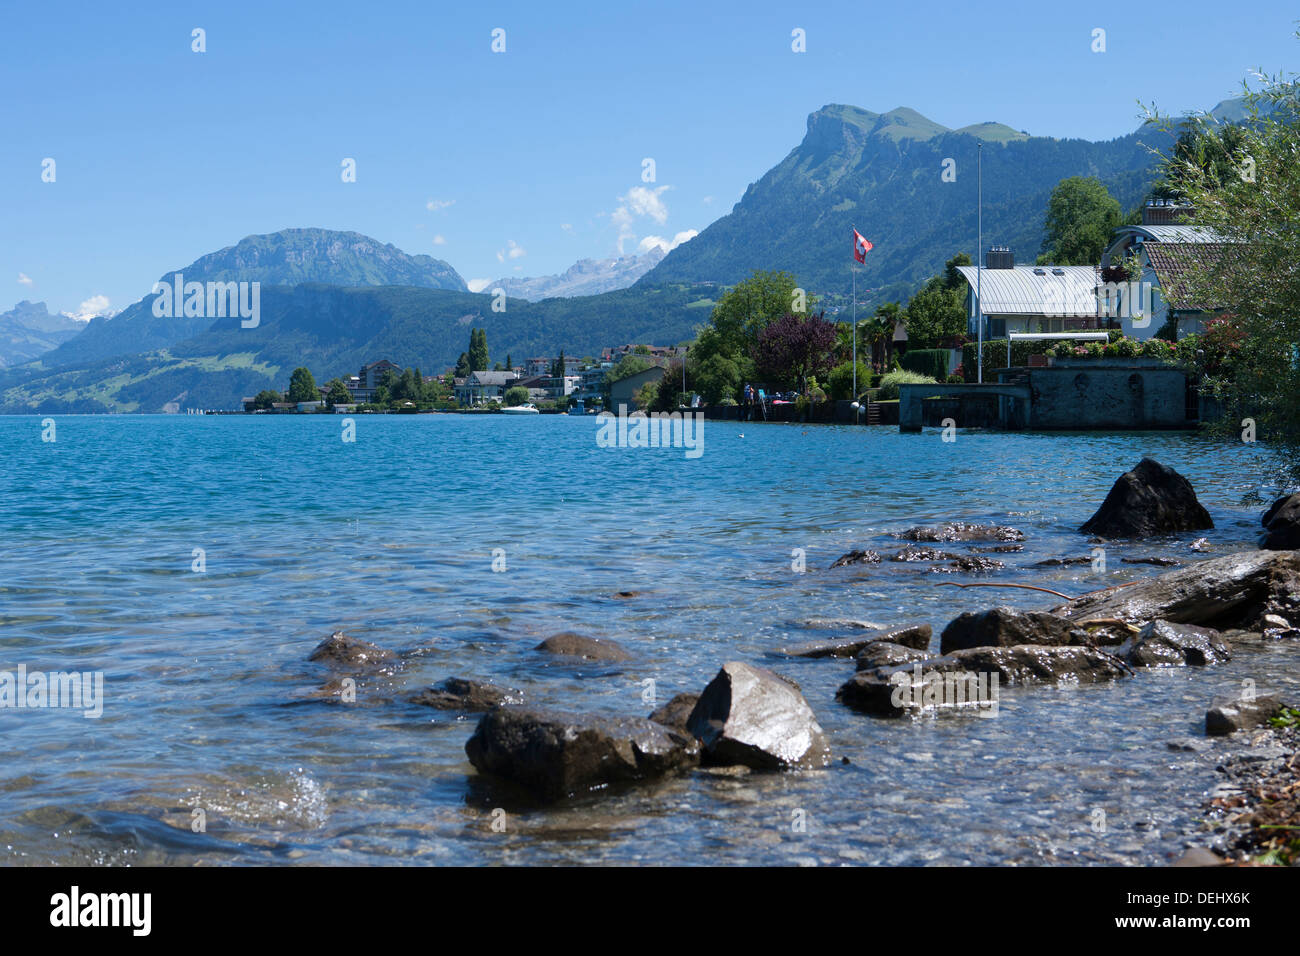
391,538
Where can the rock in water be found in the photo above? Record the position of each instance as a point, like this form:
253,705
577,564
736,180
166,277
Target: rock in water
963,531
856,557
340,650
1234,591
575,645
1149,500
909,635
1230,714
1007,627
676,712
887,654
555,754
1282,525
1161,643
466,696
748,715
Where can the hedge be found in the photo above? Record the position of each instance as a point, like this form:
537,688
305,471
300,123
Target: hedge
930,362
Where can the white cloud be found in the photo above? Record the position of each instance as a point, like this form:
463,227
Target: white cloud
433,205
478,285
24,279
513,250
707,200
439,240
567,226
652,242
637,203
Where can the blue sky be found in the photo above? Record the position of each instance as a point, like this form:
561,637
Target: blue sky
518,163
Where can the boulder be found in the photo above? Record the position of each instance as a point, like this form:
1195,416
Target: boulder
1163,643
968,563
555,754
1149,500
913,553
751,716
912,635
1007,627
1282,525
963,531
1227,715
466,696
339,650
1233,591
958,679
887,654
590,648
676,712
856,557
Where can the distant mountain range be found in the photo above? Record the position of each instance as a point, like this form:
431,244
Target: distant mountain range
29,330
885,173
334,300
584,277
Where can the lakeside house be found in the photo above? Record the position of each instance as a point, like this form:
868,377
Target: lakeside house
622,391
363,385
1166,249
485,386
1016,298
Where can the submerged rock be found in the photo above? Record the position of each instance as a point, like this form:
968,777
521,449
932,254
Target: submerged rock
555,754
1227,715
676,712
340,650
969,563
1162,643
466,696
1149,500
590,648
1233,591
912,553
962,531
972,676
838,624
856,557
1007,627
887,654
1061,562
1282,525
1158,562
751,716
912,635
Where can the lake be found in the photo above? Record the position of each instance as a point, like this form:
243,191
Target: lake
207,701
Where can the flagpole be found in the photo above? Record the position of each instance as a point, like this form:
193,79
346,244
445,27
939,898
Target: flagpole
979,256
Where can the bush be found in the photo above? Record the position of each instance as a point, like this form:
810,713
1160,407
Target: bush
728,402
931,362
516,395
889,383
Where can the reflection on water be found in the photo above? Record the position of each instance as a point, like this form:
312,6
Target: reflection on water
209,710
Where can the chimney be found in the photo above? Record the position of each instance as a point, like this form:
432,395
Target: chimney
999,257
1165,212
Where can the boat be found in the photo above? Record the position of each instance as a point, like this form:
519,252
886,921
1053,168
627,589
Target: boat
577,408
527,408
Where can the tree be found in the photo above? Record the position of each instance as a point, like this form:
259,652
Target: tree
510,366
792,349
1082,217
302,387
516,395
716,377
557,367
336,393
478,350
462,369
266,398
936,314
1254,279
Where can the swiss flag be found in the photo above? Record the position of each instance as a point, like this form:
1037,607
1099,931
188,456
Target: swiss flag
861,246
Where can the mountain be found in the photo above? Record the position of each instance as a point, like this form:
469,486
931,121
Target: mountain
29,330
584,277
286,258
884,174
333,330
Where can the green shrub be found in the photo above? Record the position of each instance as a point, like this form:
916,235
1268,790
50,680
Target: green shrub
840,380
931,362
889,383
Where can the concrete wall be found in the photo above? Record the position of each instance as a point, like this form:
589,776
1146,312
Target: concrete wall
1103,398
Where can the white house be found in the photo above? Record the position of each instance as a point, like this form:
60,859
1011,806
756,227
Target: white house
1016,298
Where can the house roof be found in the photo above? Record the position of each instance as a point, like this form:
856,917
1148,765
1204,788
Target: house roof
493,378
1175,263
1173,233
1023,291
